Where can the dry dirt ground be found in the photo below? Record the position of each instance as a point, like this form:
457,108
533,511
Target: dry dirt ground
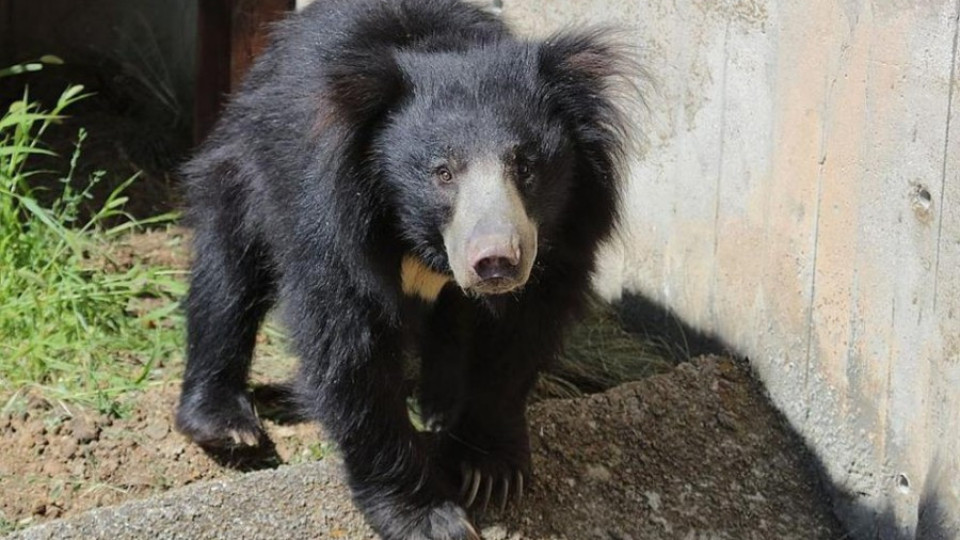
695,453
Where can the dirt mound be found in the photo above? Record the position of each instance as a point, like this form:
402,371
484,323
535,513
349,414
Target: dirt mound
695,453
57,462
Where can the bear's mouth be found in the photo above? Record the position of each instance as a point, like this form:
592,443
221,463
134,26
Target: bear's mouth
494,287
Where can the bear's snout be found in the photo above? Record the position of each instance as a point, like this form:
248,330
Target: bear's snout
491,242
495,258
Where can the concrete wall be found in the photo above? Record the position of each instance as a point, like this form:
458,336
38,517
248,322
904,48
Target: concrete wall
800,198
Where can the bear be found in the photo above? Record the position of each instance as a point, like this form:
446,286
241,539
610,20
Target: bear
395,176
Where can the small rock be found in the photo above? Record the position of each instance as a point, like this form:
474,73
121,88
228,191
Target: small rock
653,500
727,420
216,500
157,429
173,449
686,367
662,521
68,448
82,430
496,532
570,482
597,473
53,511
39,508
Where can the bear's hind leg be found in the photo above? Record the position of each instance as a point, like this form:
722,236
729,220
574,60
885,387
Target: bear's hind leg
230,292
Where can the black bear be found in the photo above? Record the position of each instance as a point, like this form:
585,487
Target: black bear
396,172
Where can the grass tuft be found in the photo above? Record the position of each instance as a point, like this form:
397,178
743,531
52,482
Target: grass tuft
69,319
600,354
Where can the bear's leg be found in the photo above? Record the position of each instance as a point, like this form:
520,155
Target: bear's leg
350,381
230,293
489,446
444,360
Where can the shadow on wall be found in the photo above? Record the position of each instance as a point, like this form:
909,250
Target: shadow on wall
652,321
863,522
934,524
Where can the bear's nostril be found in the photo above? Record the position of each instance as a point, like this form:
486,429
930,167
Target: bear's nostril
495,268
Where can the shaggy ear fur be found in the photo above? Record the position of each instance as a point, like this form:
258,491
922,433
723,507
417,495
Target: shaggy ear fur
363,84
583,76
363,79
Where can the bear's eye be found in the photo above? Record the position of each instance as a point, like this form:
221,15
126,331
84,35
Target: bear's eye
524,174
444,175
523,170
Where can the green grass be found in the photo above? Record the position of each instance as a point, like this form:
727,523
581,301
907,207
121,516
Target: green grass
69,323
600,354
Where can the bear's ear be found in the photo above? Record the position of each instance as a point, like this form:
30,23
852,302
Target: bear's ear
362,85
589,79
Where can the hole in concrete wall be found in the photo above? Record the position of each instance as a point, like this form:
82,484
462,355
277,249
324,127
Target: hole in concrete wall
492,6
903,483
922,202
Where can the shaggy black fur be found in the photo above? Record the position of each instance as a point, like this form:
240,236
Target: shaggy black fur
319,179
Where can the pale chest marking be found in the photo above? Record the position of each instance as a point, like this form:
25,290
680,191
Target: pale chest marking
420,281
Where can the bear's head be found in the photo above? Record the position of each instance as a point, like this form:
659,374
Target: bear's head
481,150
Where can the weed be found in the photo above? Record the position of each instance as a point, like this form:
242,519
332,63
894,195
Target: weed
600,354
68,319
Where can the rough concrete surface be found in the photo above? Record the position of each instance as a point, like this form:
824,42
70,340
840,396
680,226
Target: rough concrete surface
695,453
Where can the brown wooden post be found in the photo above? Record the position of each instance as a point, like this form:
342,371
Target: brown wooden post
230,35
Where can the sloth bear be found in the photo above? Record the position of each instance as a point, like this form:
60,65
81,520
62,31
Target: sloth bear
395,173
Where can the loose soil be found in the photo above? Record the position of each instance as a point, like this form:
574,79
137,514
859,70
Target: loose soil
694,453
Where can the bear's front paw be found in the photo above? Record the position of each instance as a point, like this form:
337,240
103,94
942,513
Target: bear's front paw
444,522
495,472
219,421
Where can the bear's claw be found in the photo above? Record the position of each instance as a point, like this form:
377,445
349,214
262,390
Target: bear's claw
244,438
471,480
